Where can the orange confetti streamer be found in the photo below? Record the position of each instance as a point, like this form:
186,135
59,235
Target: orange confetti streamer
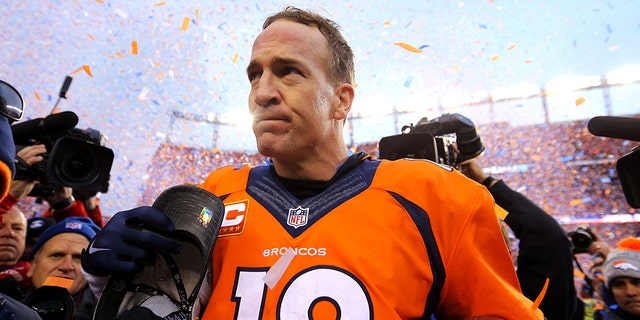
511,47
58,282
538,300
87,69
235,58
494,58
407,47
185,23
92,37
119,54
37,96
575,202
134,47
99,1
55,110
197,16
76,70
579,101
386,23
160,4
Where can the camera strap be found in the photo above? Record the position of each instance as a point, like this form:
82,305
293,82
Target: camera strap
186,302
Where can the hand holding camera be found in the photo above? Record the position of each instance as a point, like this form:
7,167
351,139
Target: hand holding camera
585,241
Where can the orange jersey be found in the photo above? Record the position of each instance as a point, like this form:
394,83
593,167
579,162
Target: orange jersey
397,239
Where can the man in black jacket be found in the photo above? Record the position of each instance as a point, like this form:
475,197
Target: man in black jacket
545,251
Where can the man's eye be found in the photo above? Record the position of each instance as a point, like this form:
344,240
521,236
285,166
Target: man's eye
290,70
253,76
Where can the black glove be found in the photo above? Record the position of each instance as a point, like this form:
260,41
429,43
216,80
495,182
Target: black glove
129,242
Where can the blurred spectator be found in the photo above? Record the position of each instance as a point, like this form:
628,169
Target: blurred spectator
621,271
544,250
57,254
589,303
13,273
35,227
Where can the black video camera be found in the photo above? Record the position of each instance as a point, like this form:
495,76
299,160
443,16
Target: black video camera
433,140
581,239
51,303
76,158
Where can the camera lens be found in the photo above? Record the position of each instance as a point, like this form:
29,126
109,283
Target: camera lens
77,168
581,240
51,303
80,164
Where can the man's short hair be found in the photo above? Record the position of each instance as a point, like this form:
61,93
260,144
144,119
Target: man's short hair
341,66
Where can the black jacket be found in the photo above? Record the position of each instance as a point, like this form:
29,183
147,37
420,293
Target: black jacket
544,252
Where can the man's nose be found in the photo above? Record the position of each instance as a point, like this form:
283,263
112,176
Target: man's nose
266,90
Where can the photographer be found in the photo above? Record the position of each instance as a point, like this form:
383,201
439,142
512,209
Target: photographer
544,250
57,254
61,203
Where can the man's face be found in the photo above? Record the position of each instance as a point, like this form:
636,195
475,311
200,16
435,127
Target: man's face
292,100
13,232
626,292
60,257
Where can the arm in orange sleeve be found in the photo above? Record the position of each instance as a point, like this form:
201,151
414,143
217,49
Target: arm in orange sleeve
481,256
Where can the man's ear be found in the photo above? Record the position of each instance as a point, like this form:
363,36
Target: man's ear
345,94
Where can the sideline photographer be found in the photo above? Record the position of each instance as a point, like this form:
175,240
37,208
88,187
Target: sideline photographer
61,164
62,204
56,255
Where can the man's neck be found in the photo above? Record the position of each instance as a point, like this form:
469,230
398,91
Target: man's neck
322,168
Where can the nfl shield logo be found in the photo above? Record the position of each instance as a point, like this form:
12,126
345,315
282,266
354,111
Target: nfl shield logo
298,217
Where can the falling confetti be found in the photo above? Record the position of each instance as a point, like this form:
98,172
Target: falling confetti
143,93
235,58
579,101
185,23
494,58
37,96
134,47
87,69
160,4
511,47
407,83
407,47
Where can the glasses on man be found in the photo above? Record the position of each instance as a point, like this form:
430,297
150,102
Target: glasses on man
11,103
